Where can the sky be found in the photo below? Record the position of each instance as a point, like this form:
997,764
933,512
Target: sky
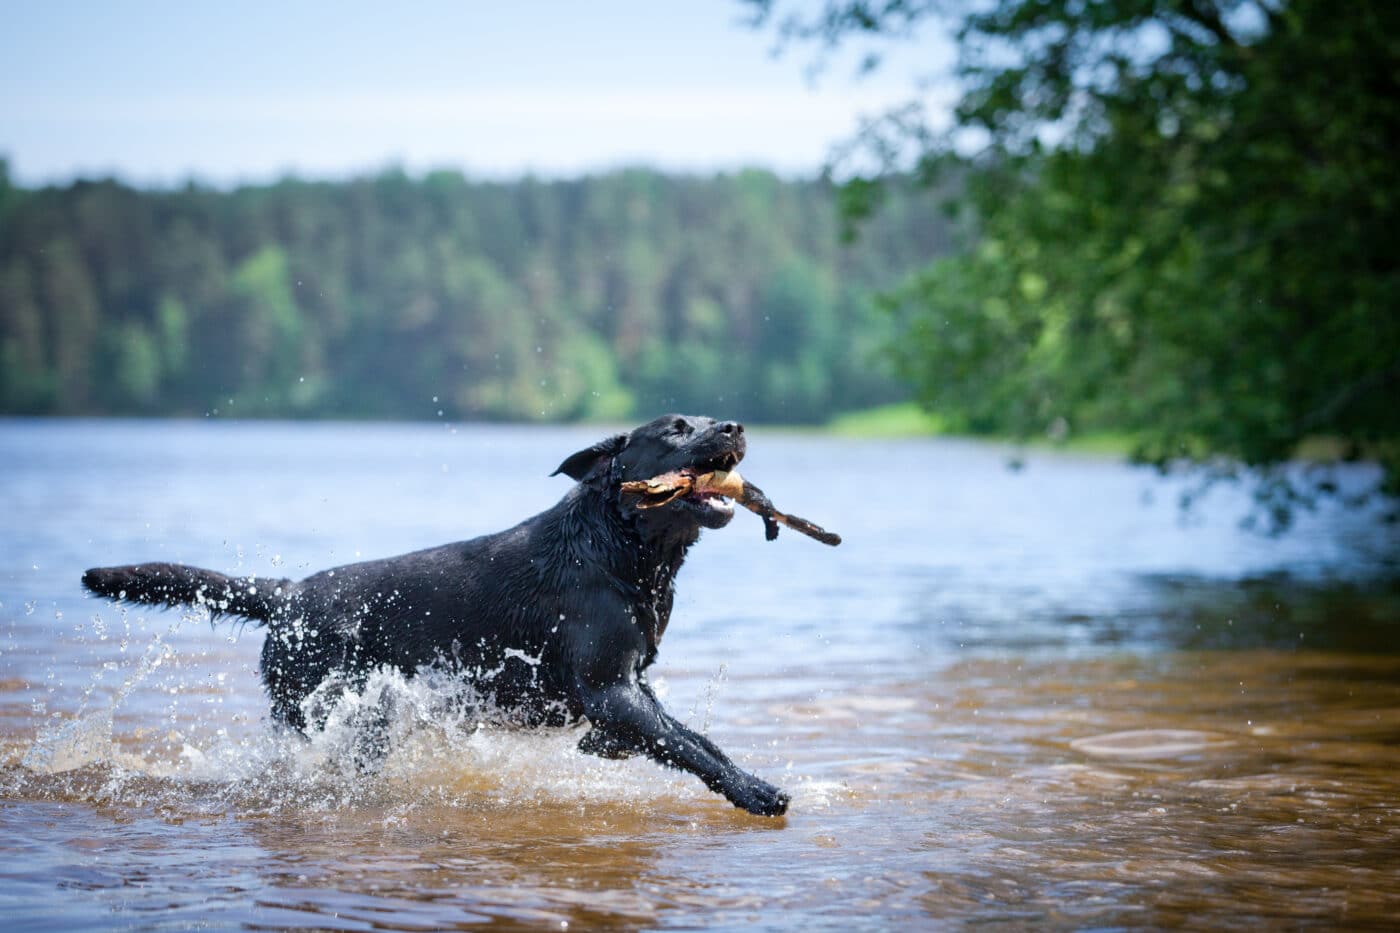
159,93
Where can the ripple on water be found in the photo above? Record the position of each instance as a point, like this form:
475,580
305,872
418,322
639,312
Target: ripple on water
1150,744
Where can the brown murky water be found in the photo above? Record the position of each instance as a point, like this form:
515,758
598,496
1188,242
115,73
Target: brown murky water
1029,716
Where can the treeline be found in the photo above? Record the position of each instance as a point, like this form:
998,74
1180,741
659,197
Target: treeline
397,296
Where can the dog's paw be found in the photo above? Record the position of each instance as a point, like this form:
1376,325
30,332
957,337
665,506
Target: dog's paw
758,796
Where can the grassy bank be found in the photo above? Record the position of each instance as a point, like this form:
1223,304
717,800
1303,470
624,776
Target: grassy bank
903,419
909,419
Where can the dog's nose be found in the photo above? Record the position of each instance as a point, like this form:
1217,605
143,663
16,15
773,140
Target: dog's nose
732,427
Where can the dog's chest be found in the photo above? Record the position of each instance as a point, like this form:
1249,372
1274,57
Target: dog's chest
652,611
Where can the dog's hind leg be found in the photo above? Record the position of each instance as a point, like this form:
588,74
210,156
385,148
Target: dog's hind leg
362,718
373,735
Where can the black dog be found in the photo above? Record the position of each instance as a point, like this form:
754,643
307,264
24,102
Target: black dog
555,619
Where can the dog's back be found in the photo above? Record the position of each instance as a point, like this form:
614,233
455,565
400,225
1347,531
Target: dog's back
488,607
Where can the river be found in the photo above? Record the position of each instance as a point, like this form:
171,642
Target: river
1011,696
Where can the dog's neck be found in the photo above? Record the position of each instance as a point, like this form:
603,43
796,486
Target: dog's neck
638,556
634,548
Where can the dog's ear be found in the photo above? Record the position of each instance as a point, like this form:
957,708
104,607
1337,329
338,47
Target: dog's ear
581,465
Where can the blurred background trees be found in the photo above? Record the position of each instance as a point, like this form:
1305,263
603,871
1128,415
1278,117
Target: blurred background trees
1181,215
399,297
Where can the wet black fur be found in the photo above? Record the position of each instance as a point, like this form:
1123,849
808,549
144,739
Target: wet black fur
586,587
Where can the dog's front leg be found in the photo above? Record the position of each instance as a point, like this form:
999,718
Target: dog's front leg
628,716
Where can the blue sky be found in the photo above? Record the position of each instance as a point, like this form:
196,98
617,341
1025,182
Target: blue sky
158,92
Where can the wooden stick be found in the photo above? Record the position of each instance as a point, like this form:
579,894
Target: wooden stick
667,487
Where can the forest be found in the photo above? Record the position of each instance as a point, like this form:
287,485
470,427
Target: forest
400,296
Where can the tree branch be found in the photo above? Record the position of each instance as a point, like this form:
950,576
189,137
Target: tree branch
1208,18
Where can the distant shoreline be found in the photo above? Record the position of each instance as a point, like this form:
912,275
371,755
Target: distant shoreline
909,419
902,421
899,421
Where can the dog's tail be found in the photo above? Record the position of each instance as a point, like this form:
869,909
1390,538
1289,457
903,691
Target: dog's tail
177,584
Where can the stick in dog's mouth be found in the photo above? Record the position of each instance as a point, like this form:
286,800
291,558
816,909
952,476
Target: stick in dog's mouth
659,490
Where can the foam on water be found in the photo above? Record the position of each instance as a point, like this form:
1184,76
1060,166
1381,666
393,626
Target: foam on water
435,739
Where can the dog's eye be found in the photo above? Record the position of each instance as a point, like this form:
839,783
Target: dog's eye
680,426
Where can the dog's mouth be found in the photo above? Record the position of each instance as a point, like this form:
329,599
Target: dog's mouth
707,504
684,489
709,497
725,461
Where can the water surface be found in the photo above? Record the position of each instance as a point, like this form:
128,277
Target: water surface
1008,697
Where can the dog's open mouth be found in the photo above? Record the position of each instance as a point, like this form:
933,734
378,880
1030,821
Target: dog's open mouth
709,500
709,493
723,462
707,487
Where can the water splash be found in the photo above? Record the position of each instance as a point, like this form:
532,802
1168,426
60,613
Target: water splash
429,738
391,742
87,738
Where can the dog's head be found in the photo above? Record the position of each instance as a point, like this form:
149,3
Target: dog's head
669,443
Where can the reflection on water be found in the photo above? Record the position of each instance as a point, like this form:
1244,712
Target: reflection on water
1006,699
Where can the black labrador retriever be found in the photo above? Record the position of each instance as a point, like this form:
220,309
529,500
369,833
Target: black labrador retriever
555,619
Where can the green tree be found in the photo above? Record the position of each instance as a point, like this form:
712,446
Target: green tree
9,195
27,381
797,347
73,327
265,332
1182,213
134,365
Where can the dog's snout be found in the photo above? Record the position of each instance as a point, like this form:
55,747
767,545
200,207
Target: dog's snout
732,427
